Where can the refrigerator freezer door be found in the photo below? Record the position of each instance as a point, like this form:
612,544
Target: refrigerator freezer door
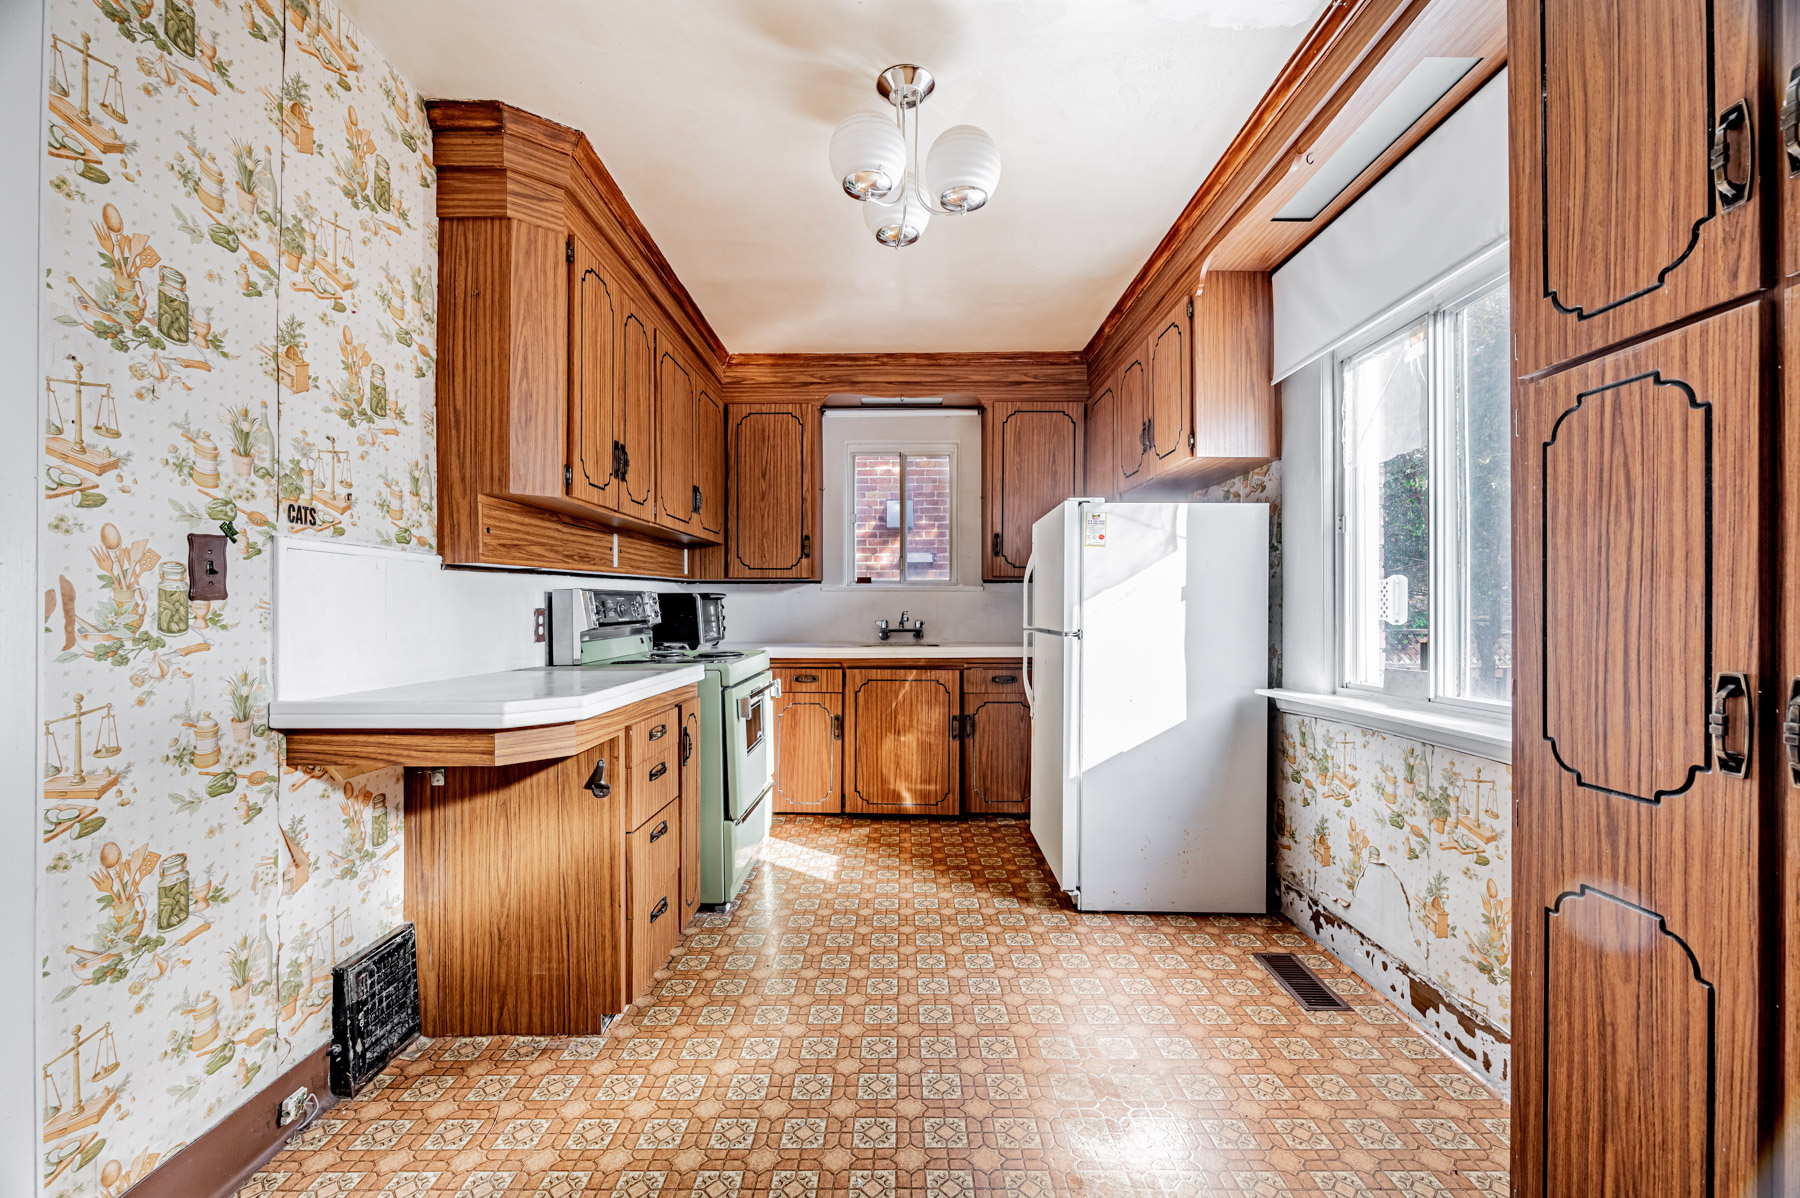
1053,665
1052,588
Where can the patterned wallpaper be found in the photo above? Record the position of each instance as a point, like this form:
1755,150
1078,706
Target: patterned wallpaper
237,333
1406,843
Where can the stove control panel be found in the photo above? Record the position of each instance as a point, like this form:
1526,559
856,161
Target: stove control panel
583,615
621,607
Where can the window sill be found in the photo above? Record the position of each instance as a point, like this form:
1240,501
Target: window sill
1467,732
905,588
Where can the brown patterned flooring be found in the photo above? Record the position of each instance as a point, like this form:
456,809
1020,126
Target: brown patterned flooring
909,1009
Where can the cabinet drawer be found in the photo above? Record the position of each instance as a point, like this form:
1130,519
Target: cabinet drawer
993,680
653,860
810,678
654,765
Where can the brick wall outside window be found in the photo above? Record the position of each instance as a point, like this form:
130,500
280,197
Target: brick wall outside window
927,540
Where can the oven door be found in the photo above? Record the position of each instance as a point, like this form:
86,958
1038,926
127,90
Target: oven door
749,742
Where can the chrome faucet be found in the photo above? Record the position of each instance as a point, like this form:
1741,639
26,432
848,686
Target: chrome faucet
916,627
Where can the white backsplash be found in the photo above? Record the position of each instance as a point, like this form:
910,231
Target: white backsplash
350,617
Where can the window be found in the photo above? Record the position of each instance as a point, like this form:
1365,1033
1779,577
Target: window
1424,505
903,517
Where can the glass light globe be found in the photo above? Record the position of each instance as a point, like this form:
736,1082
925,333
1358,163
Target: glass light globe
963,168
868,155
899,223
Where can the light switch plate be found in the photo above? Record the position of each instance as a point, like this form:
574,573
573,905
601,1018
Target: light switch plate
206,566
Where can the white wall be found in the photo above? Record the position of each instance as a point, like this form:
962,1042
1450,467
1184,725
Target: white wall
22,94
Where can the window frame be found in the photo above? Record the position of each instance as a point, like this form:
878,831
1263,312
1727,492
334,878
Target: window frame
1440,305
903,448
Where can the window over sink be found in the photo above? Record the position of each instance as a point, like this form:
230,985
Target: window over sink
1424,504
902,505
903,511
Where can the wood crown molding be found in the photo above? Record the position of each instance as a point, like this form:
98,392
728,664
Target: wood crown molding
496,160
810,378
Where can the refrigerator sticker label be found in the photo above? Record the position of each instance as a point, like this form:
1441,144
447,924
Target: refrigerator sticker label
1094,530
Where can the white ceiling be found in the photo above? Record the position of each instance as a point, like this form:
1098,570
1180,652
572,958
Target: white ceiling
714,117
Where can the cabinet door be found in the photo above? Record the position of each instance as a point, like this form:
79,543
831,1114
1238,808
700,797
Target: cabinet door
1237,408
709,453
1621,224
637,416
690,812
675,427
774,468
593,379
809,737
900,755
1103,442
653,916
1639,521
1787,690
1034,462
997,753
1171,399
1131,441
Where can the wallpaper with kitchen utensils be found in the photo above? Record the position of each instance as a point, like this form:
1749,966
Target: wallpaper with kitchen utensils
1406,844
237,334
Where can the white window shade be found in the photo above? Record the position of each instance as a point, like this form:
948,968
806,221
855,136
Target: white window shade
1439,207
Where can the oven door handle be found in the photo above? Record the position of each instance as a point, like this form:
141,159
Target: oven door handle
771,689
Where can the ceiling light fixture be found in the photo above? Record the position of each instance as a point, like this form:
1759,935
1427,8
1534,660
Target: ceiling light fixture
876,161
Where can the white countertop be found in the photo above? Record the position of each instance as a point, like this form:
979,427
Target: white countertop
509,699
897,647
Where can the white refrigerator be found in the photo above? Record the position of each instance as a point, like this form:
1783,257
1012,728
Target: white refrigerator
1146,638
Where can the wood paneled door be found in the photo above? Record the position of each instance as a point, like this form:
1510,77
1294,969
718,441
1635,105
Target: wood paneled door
1641,534
594,378
689,758
709,458
1034,461
901,730
509,868
678,505
996,741
1102,441
809,742
774,451
1171,400
1131,436
637,414
1635,130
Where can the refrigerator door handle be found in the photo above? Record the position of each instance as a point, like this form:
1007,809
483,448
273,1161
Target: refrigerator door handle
1025,588
1025,673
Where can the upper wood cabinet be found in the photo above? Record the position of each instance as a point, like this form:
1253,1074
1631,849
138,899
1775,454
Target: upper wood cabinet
1102,472
1634,165
1131,438
1034,461
774,459
1170,439
559,326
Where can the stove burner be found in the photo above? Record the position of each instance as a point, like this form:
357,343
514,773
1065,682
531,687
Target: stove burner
695,654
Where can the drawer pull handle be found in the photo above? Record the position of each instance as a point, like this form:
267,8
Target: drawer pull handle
658,770
1006,679
1731,192
806,677
661,830
662,905
658,732
1730,687
687,745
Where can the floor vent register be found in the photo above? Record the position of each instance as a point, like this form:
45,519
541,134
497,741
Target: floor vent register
374,1009
1305,986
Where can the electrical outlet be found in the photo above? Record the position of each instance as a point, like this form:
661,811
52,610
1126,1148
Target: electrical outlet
538,631
292,1106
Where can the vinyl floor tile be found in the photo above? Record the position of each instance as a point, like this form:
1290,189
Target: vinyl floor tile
910,1010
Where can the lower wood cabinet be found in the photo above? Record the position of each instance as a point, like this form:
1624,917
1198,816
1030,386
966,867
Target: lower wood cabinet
809,737
996,742
901,746
653,853
690,812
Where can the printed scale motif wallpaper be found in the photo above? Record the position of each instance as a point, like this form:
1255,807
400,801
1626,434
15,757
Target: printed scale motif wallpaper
1406,842
239,307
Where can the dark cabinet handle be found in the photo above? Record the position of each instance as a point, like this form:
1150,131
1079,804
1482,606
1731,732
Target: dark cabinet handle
805,544
597,782
1730,687
955,727
657,771
1006,679
621,461
1731,193
996,552
1790,121
806,677
661,830
658,732
837,727
697,498
662,906
968,727
1790,732
687,745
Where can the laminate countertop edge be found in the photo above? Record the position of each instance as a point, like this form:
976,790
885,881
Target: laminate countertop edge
509,699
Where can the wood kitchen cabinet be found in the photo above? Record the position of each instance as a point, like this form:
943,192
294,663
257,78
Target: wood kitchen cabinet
809,739
690,812
1102,472
1035,459
1169,443
653,852
1131,426
565,347
1624,226
775,489
901,746
996,742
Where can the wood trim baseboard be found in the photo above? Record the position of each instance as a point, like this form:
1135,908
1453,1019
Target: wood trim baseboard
230,1152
